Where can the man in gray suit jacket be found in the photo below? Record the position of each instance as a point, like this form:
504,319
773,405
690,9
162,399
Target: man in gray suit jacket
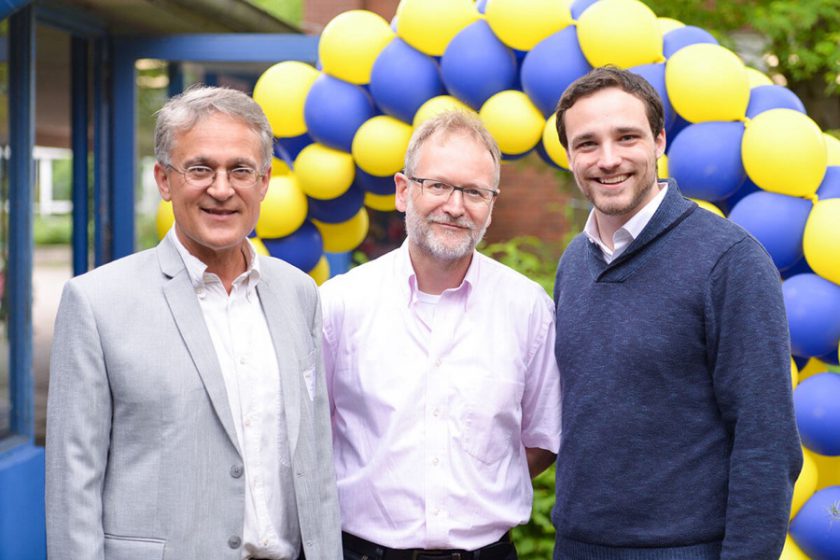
187,413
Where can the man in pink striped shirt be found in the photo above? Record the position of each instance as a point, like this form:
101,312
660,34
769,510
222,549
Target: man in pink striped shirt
444,390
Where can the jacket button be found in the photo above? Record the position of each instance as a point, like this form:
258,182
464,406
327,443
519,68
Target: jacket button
234,542
236,471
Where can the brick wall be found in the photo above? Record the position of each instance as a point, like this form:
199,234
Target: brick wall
317,13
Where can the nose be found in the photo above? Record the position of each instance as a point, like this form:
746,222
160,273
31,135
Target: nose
609,157
454,205
220,188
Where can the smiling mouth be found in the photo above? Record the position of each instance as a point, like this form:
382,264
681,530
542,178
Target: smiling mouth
218,212
613,180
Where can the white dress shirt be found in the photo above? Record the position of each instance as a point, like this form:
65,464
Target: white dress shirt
249,367
433,403
624,235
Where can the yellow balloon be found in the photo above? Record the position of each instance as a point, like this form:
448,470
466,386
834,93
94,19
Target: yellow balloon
821,240
438,105
381,202
164,218
758,78
521,25
812,367
668,24
429,25
344,236
281,92
624,33
283,209
551,142
708,206
350,43
380,144
323,172
828,470
783,152
259,247
321,272
662,167
707,83
279,167
806,484
513,120
794,374
832,148
791,551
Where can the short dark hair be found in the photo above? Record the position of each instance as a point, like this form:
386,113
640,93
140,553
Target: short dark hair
606,77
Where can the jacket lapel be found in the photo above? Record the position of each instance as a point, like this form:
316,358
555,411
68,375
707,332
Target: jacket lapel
182,301
283,335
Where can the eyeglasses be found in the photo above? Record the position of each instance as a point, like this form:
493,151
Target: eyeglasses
439,189
201,176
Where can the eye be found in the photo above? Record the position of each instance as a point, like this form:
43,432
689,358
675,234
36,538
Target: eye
244,173
437,187
199,172
475,193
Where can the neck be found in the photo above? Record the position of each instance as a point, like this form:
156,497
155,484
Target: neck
227,263
434,276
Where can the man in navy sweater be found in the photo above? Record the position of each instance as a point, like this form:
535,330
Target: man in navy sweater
679,439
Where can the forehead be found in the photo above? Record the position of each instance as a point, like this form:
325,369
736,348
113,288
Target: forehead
449,151
217,135
605,110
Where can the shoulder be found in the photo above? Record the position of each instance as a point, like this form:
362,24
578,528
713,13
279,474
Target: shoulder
123,274
509,286
723,237
361,279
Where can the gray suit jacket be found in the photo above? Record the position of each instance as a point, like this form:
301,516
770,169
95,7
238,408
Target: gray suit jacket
142,456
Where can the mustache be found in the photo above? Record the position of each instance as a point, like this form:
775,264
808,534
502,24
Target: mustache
463,222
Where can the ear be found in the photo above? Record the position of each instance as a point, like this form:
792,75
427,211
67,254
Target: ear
401,196
660,143
162,181
263,183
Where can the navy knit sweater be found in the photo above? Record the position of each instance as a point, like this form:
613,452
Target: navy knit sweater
679,439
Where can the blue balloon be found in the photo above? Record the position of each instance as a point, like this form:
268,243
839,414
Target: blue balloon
800,362
579,6
481,6
476,65
830,186
705,159
777,221
288,149
373,183
813,311
549,68
800,267
334,110
830,358
817,404
681,37
764,98
816,527
339,209
671,132
402,79
746,188
655,75
302,249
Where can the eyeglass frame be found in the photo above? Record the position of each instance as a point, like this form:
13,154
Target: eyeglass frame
453,188
258,175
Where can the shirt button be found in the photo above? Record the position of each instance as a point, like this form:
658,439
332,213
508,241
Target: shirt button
236,471
234,542
247,421
437,363
436,412
437,511
435,461
242,360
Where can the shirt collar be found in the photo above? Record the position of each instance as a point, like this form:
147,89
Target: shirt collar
408,277
634,225
196,268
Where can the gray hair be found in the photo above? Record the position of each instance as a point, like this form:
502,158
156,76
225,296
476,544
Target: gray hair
183,111
449,122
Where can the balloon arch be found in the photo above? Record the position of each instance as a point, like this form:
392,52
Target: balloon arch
738,144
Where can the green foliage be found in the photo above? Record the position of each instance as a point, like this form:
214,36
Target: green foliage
56,229
288,10
529,255
535,541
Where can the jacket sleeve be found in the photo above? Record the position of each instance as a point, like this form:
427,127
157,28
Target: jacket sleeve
78,432
749,353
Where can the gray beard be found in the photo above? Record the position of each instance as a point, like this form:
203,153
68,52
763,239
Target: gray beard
420,232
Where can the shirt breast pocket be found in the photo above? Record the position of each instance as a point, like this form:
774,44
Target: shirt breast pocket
489,415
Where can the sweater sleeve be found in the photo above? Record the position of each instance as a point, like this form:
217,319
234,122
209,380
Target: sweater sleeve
749,357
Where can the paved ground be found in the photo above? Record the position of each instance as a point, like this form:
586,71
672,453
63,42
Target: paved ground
52,269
